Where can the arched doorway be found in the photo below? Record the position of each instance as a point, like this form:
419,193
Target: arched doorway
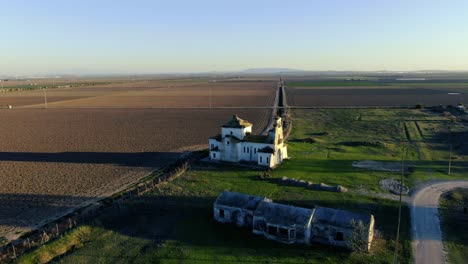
279,156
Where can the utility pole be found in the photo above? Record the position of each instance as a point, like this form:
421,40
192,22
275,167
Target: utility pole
14,251
450,160
210,96
45,98
403,157
450,145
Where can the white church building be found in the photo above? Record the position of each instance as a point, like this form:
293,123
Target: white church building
236,143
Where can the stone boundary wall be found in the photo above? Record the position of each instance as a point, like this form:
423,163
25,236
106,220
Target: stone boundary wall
312,186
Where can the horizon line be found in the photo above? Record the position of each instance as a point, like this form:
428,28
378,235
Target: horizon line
249,71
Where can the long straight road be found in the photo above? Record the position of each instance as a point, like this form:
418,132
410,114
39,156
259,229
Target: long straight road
425,224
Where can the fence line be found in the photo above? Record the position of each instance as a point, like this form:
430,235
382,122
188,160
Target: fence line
284,112
57,228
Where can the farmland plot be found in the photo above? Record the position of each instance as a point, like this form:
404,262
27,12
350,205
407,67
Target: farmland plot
371,97
173,95
55,160
67,92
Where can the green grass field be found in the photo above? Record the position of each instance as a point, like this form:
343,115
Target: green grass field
343,136
454,225
457,87
174,223
433,84
27,87
332,83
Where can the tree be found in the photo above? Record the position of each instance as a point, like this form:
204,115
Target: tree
358,239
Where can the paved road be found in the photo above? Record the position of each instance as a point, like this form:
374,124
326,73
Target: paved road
425,226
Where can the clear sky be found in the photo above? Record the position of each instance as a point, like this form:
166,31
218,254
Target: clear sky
137,36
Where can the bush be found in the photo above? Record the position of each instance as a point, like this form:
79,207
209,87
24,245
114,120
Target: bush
3,241
357,241
264,174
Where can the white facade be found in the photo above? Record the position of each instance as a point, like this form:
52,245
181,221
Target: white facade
239,133
236,144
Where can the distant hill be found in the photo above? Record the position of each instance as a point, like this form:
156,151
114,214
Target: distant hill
268,70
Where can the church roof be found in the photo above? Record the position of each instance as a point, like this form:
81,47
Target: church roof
217,137
234,139
257,139
237,122
266,150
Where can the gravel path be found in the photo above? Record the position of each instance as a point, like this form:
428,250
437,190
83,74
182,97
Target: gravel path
425,224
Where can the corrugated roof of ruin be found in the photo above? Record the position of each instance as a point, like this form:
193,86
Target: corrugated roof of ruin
239,200
284,215
340,218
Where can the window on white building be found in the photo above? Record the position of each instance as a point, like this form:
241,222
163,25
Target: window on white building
214,156
255,151
244,149
261,159
272,230
247,150
292,233
283,232
339,236
231,132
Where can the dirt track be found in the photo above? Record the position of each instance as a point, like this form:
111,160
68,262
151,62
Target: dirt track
425,224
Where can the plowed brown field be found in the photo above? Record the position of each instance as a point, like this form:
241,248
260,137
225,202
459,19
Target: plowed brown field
376,96
35,98
147,94
54,160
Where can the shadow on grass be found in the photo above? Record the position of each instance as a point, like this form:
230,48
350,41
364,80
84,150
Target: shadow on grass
22,211
188,220
459,141
192,220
